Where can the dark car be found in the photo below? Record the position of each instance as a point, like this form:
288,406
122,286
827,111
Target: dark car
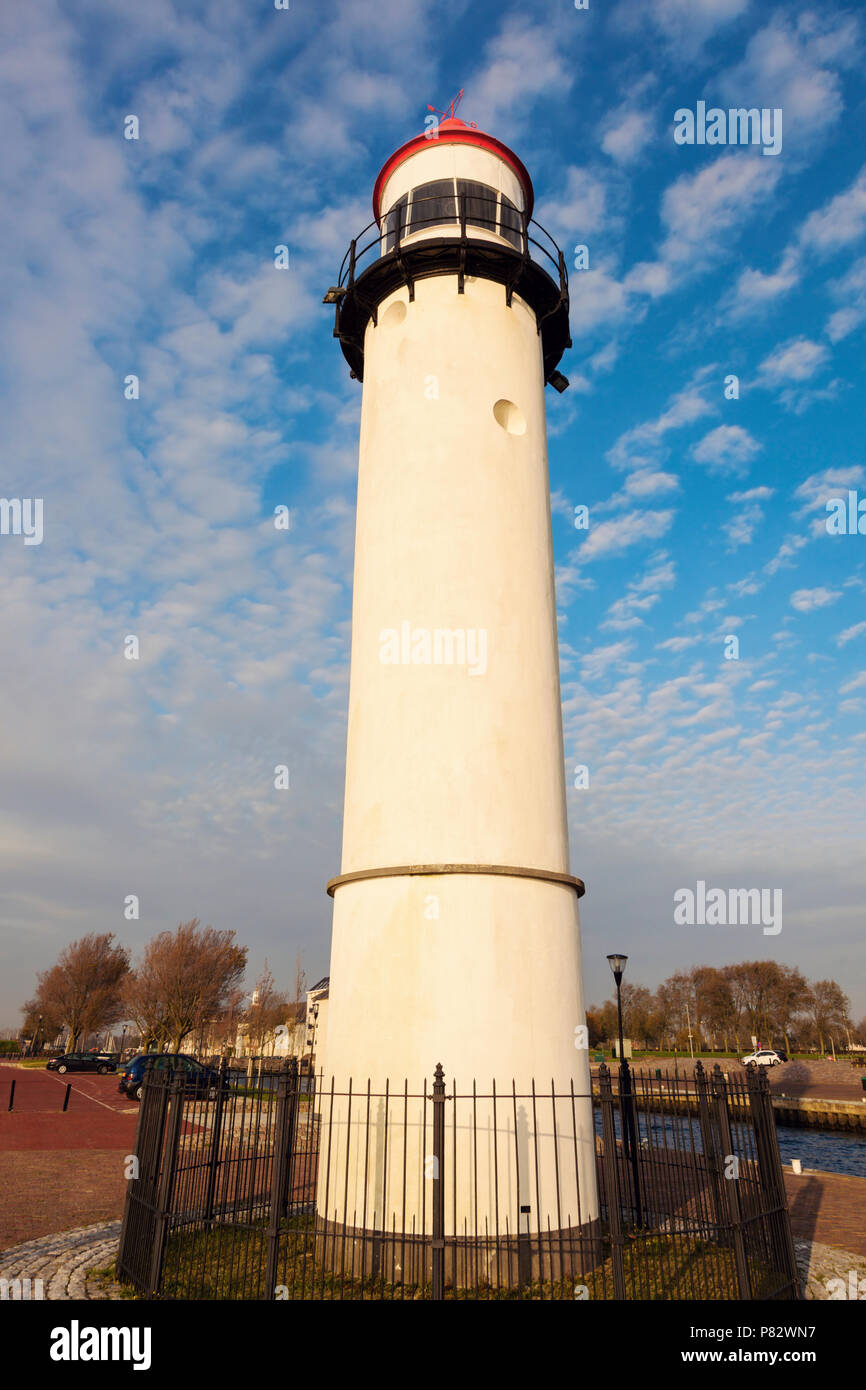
200,1080
82,1061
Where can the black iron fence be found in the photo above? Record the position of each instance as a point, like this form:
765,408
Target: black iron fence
650,1188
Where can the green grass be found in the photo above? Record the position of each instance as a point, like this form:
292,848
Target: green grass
105,1280
228,1263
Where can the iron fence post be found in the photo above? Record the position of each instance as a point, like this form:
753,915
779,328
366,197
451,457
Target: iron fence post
216,1132
438,1189
610,1169
143,1123
712,1158
165,1192
732,1187
629,1132
770,1169
290,1129
282,1166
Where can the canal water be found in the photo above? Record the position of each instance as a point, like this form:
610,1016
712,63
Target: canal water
818,1148
815,1148
830,1151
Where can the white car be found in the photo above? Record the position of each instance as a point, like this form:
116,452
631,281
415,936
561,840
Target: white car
765,1058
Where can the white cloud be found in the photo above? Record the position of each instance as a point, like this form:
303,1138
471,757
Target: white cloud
850,633
639,447
684,25
643,594
679,644
850,292
598,300
728,449
700,210
807,600
741,529
643,483
755,288
581,209
815,491
794,62
522,62
627,133
785,554
796,360
650,482
594,663
611,537
753,494
840,222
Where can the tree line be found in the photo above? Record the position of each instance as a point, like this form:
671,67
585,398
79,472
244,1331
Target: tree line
729,1004
188,983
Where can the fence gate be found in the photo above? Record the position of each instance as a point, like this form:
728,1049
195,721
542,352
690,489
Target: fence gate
148,1192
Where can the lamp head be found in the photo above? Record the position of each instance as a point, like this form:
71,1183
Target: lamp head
617,964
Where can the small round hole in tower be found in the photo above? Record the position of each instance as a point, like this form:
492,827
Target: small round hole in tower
394,314
510,417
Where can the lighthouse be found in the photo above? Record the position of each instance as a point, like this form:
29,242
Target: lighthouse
456,937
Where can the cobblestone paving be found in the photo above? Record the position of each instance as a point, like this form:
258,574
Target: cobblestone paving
819,1264
62,1263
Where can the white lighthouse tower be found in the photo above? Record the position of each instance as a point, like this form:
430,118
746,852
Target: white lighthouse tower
456,936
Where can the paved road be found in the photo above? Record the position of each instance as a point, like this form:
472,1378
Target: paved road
47,1180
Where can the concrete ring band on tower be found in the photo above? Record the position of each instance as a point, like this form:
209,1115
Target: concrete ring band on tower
421,869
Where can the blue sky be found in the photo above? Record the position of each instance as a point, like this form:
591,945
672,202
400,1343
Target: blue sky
707,515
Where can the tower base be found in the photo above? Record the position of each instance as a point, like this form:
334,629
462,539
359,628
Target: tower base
502,1261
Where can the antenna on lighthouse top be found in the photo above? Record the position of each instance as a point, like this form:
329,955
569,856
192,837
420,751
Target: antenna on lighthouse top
450,110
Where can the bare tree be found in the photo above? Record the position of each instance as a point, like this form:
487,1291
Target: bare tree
186,977
267,1009
791,1001
300,989
636,1011
84,989
828,1007
716,1006
223,1026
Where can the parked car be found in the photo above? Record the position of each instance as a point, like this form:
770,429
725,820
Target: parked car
82,1061
200,1080
765,1058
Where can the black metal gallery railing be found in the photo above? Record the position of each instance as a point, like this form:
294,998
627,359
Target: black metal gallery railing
664,1188
470,212
462,235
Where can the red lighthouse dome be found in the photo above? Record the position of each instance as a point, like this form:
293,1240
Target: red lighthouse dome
453,131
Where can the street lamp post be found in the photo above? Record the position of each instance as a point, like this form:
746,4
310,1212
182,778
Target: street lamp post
629,1128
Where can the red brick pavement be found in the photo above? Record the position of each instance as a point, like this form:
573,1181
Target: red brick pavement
46,1192
829,1208
98,1117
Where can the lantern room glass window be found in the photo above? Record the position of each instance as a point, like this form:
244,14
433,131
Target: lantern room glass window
445,201
511,223
432,203
395,222
479,202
